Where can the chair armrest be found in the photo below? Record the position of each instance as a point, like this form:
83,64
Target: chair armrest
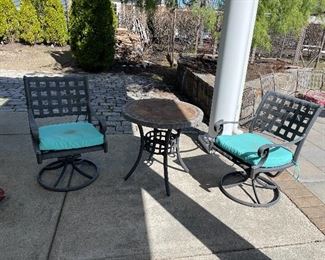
264,150
101,121
33,126
218,126
247,120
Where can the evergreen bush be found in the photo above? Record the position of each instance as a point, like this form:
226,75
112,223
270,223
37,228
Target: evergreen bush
29,25
53,21
92,34
8,20
38,4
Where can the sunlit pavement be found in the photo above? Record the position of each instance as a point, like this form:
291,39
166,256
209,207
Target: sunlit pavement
135,219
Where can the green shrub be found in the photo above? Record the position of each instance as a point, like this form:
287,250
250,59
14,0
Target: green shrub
8,20
92,34
115,19
53,22
38,4
29,25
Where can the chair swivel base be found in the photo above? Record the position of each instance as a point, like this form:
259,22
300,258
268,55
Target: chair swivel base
238,179
66,174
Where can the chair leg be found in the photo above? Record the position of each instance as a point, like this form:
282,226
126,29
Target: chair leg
178,153
257,183
58,175
255,193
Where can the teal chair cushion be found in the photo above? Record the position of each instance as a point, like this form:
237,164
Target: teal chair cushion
245,147
69,136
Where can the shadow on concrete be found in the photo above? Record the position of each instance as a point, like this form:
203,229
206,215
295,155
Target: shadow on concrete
131,231
208,229
65,61
110,218
154,71
127,219
206,178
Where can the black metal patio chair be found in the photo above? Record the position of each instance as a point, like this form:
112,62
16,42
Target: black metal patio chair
273,143
57,97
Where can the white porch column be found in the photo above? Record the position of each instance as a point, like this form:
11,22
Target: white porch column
236,39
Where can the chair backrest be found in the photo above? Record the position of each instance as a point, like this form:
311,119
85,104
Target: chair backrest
284,116
57,96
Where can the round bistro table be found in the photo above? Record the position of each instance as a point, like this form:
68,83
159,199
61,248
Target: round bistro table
167,118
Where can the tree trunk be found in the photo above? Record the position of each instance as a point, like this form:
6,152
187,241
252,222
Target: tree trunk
173,37
201,35
67,5
217,33
282,46
299,45
252,61
123,15
320,49
215,46
201,28
198,31
133,14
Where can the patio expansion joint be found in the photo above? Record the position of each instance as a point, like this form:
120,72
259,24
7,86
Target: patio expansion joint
56,226
10,134
315,144
292,244
252,249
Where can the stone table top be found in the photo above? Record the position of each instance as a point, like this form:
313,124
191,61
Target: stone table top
163,113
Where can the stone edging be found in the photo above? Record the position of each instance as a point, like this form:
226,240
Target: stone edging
305,200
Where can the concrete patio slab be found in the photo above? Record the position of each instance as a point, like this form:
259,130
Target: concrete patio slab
317,133
319,125
13,123
313,251
318,189
314,153
308,172
135,219
29,214
114,219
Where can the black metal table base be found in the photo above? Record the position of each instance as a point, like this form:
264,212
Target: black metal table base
163,142
239,179
57,176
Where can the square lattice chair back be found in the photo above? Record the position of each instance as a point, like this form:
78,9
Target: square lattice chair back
284,116
57,96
